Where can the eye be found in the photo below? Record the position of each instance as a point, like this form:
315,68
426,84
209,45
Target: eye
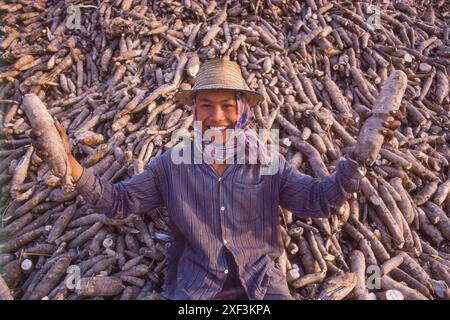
229,106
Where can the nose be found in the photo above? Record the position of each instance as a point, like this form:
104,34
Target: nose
217,116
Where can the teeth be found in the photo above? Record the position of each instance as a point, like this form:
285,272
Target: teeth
218,128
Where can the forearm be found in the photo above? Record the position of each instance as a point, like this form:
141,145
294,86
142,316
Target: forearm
133,196
106,197
94,190
309,197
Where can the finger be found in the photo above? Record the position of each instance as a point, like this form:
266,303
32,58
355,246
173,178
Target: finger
403,110
43,146
366,114
397,114
388,134
59,127
392,124
42,154
389,119
35,144
35,133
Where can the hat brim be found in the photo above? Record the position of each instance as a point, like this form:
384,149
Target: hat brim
185,96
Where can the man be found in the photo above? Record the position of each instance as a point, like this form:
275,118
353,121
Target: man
224,216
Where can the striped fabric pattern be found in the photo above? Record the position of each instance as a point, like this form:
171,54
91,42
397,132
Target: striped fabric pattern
212,215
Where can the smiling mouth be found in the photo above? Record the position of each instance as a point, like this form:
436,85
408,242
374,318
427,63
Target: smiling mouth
217,128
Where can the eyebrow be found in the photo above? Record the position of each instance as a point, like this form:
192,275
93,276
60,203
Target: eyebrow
222,101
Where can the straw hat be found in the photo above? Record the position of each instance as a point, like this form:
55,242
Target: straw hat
219,74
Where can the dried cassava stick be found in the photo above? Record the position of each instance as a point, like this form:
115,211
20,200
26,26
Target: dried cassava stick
337,288
358,266
51,279
100,286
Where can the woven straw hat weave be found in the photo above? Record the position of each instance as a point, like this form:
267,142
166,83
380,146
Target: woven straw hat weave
219,74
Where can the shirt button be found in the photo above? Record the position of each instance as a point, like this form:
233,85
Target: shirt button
225,241
222,208
220,179
225,271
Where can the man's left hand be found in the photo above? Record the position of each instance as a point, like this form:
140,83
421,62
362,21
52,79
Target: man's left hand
392,122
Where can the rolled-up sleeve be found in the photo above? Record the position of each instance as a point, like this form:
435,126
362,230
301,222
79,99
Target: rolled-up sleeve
133,196
306,196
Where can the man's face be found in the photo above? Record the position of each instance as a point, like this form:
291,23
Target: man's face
217,110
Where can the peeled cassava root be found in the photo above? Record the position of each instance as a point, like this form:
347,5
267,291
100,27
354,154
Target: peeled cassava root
320,65
100,286
42,121
370,138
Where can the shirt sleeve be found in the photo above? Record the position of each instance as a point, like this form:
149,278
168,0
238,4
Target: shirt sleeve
306,196
133,196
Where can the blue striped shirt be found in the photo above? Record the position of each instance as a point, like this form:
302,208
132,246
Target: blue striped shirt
210,215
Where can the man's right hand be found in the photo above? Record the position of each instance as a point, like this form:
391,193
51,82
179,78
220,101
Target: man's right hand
42,149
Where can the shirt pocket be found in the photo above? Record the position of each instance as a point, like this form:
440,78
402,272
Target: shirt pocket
248,201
